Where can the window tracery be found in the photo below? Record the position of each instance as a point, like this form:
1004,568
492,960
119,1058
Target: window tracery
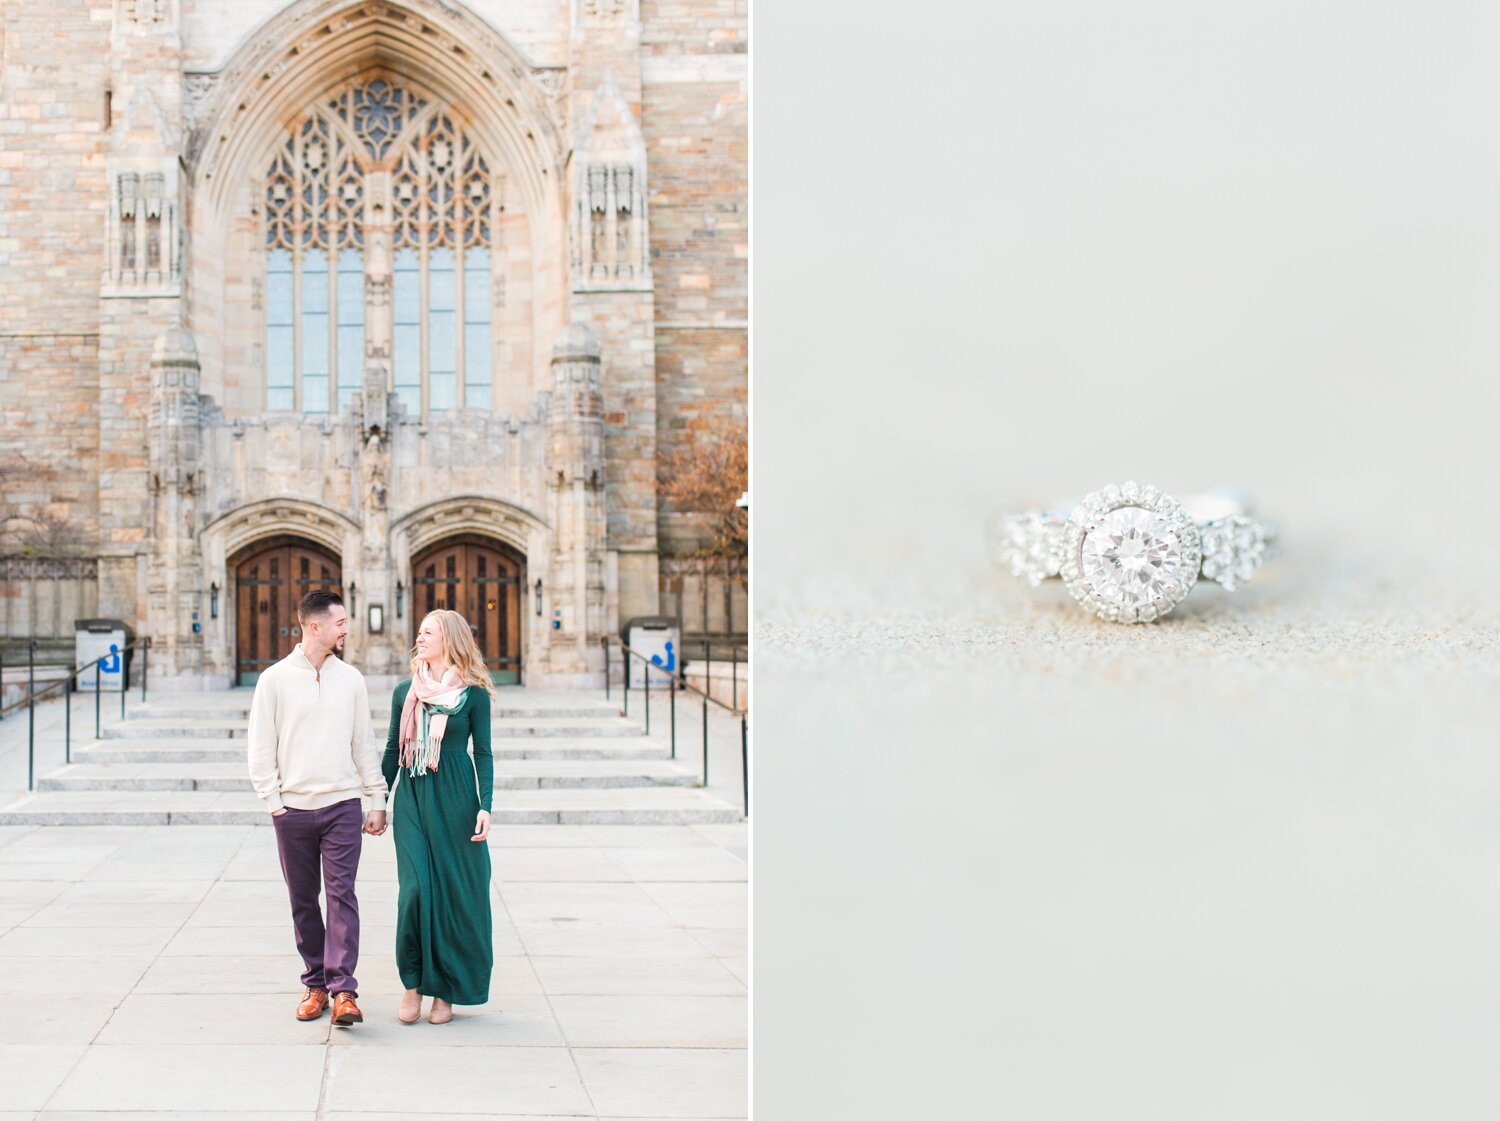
441,198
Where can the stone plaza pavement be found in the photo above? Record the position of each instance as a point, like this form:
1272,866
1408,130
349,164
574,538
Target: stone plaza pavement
149,972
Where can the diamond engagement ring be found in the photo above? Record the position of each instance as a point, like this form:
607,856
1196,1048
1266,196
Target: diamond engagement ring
1130,553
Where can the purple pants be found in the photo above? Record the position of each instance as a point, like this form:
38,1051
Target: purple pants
320,849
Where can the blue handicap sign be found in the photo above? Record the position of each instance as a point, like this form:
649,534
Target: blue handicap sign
111,664
671,663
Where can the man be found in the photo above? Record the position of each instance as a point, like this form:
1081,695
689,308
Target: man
312,759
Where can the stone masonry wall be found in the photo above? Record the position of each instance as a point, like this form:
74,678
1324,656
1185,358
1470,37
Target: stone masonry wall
55,60
695,116
74,368
49,436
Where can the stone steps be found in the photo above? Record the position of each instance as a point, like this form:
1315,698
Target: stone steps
184,750
158,729
519,774
165,728
564,727
662,805
178,749
220,777
559,758
379,713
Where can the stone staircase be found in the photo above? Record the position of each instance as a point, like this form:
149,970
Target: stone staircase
560,758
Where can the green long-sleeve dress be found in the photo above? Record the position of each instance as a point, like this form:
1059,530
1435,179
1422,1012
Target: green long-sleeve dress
444,930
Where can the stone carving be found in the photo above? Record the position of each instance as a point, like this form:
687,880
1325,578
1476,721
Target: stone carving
607,11
610,237
197,90
376,400
145,11
143,225
377,290
144,231
372,463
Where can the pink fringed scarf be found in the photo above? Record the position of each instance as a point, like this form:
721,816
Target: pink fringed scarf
419,752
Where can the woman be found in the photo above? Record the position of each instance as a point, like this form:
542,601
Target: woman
441,817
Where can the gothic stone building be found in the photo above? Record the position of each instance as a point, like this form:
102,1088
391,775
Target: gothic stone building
407,297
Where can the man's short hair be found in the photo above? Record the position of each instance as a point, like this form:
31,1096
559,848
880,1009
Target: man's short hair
315,605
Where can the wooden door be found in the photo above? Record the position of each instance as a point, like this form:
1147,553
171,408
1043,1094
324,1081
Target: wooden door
483,581
269,583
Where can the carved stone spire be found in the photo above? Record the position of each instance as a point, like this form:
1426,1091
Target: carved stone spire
575,464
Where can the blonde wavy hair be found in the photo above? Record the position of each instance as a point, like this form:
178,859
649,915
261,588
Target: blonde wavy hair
461,650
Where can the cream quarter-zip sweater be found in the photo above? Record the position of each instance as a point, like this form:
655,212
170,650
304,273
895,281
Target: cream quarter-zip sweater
310,743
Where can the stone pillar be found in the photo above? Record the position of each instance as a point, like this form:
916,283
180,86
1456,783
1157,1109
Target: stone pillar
375,573
575,471
174,584
611,287
140,303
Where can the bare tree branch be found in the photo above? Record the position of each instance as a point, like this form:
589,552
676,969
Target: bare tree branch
707,477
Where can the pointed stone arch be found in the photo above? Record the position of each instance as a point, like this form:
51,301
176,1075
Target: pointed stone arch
232,533
313,44
244,525
490,517
313,48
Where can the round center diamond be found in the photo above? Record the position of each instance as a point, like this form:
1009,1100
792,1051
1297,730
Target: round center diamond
1132,557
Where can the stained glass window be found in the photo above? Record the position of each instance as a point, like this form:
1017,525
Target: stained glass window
407,351
280,330
441,202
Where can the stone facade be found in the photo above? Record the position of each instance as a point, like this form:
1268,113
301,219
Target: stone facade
600,144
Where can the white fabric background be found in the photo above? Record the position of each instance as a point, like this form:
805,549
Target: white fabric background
1011,861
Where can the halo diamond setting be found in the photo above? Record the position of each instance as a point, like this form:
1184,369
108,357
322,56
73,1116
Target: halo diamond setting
1130,553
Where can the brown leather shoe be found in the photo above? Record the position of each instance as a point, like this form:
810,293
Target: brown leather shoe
313,1003
345,1011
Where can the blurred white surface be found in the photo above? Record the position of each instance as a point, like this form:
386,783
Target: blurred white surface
1012,861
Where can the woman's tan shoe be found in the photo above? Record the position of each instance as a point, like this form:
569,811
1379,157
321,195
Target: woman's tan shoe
441,1012
416,1013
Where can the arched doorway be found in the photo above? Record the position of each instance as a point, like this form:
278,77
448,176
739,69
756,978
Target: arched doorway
270,577
482,580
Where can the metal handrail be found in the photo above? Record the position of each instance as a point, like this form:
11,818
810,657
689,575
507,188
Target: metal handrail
33,695
734,660
677,681
682,682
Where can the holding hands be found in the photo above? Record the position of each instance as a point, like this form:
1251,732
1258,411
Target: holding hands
375,823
